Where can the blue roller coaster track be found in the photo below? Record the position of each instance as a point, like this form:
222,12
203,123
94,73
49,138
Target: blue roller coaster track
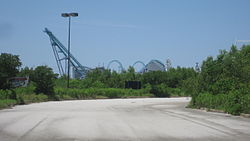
80,71
60,53
121,69
140,62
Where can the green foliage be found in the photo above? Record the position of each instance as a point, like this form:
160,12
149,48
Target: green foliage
27,95
233,103
31,98
92,93
223,82
160,90
43,78
245,103
226,72
26,71
6,94
170,83
7,103
22,96
151,81
206,100
177,92
191,86
148,88
9,68
25,90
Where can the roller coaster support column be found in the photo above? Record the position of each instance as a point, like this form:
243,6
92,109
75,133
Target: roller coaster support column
69,15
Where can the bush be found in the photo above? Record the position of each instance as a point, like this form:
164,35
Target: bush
232,103
160,90
27,95
9,68
91,93
25,90
31,98
6,94
44,80
246,103
7,103
176,92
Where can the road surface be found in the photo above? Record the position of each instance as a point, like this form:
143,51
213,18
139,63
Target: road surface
149,119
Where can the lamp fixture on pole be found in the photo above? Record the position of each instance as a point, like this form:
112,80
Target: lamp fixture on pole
69,15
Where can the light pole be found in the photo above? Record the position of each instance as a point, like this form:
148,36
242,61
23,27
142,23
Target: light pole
69,15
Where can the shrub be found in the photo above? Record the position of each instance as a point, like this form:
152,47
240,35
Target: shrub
31,98
91,93
233,103
176,92
9,68
5,94
160,91
27,95
44,80
7,103
246,104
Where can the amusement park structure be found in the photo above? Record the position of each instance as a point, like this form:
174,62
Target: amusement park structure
121,68
60,53
80,71
143,66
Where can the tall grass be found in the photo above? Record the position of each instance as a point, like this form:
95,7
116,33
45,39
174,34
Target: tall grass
233,102
92,93
27,95
7,103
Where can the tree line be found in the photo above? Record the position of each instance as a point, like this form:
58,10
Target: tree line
224,82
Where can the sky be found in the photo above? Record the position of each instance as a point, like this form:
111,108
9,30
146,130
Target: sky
184,31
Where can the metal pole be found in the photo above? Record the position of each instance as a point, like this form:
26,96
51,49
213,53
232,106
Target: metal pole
69,54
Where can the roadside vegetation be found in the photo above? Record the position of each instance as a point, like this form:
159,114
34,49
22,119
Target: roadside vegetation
222,83
45,85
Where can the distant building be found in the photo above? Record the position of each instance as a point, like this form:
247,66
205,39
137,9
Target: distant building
154,65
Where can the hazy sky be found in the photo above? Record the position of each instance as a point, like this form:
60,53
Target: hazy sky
185,31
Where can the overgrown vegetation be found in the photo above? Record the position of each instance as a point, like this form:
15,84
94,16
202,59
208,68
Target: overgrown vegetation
45,85
9,65
43,79
160,84
26,95
93,93
222,83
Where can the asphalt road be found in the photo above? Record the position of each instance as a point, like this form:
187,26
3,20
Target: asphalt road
151,119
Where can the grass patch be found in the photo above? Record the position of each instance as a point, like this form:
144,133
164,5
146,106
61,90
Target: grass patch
7,103
99,93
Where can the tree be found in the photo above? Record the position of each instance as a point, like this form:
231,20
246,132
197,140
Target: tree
9,68
26,71
43,78
130,74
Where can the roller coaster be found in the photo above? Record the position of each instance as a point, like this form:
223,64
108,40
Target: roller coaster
79,71
60,53
121,68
